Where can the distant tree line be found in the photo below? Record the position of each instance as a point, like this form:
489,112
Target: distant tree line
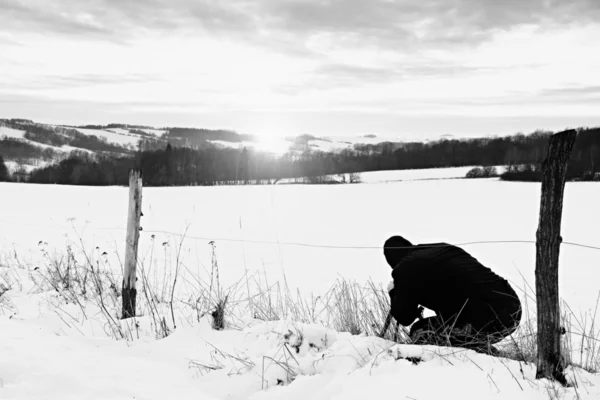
4,175
59,136
25,153
55,136
179,166
194,137
142,133
206,164
113,126
136,129
85,170
18,121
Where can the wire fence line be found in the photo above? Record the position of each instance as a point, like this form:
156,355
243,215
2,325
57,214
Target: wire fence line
297,244
328,246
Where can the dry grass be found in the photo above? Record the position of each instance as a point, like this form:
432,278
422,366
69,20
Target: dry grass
347,306
83,277
580,341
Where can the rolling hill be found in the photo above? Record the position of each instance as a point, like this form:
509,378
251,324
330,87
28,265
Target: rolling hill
26,145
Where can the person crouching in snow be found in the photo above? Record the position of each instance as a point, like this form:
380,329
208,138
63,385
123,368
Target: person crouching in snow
474,307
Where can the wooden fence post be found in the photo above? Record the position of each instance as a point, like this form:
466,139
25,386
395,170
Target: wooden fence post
550,363
131,246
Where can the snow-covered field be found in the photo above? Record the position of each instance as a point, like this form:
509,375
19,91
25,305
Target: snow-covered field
118,131
11,133
393,176
114,135
306,236
155,132
19,134
14,166
118,136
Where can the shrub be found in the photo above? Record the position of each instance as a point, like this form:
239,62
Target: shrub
590,176
490,171
525,173
353,177
482,172
316,180
476,172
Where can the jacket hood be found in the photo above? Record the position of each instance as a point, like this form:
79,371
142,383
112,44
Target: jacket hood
395,249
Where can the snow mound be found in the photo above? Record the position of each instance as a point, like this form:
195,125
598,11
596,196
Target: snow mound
258,360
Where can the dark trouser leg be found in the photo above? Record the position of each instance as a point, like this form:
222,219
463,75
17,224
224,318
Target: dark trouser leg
478,327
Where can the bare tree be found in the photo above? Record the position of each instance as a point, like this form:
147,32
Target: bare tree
354,177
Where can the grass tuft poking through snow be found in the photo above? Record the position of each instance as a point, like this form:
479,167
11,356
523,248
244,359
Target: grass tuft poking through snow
253,340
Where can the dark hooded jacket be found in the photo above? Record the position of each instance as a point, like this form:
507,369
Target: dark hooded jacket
449,281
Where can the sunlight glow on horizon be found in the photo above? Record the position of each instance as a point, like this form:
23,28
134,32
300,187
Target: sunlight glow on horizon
153,79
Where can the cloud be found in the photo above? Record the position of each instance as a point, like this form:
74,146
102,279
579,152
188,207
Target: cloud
290,27
120,20
18,17
582,91
56,81
344,74
295,54
417,22
383,21
337,75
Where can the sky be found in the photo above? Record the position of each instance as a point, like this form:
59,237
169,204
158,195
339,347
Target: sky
323,67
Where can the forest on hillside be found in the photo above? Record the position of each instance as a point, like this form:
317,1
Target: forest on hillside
205,164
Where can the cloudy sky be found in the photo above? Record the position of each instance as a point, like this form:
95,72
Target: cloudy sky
462,67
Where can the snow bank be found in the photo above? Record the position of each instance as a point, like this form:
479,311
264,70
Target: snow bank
263,360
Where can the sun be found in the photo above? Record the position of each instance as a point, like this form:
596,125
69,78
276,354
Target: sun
272,144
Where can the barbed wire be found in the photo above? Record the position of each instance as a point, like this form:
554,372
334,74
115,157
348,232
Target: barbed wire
302,244
56,226
327,246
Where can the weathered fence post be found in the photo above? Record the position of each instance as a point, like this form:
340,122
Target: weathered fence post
550,363
131,246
